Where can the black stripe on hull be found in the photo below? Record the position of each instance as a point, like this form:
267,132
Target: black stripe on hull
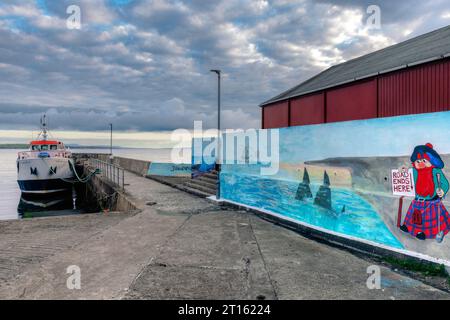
44,186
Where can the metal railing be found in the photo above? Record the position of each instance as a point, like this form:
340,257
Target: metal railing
109,171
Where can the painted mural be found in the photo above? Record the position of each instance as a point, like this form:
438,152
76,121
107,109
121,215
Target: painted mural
202,163
169,169
427,217
339,177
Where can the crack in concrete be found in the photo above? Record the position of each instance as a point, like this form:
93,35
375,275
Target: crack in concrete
160,251
272,284
167,265
168,211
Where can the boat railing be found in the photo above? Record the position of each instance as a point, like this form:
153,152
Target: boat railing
109,171
33,154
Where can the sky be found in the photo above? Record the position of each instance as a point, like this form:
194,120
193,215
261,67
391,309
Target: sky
143,65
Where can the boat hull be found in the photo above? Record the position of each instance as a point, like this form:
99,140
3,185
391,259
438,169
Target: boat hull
42,176
31,204
44,187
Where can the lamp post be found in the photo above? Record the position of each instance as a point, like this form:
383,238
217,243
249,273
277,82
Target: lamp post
218,150
110,140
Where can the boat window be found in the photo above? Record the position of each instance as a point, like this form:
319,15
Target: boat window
35,148
53,147
44,147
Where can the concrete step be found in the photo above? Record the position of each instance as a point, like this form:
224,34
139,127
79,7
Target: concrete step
202,188
210,175
210,191
194,191
204,185
205,182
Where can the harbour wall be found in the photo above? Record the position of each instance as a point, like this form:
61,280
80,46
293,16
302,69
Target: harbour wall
109,197
106,194
170,169
139,167
87,155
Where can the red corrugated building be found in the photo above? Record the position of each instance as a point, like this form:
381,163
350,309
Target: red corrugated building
408,78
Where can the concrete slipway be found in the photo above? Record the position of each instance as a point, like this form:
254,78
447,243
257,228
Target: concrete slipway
182,247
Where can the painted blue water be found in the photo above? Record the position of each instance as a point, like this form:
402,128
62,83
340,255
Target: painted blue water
359,219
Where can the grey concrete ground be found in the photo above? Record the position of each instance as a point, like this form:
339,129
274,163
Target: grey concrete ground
181,246
29,242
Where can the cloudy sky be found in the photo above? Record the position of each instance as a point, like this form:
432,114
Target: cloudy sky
144,64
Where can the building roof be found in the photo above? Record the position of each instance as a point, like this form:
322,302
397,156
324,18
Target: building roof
422,49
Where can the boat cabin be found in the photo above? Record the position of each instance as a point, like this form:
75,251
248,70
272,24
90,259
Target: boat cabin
46,145
45,149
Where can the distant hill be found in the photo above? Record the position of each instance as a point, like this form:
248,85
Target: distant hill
79,146
71,146
14,146
25,146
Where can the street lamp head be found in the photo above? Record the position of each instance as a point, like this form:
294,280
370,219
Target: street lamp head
216,71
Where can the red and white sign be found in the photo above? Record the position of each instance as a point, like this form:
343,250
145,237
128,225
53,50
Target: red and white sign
403,183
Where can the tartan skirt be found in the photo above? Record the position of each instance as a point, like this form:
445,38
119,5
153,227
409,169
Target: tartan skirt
422,216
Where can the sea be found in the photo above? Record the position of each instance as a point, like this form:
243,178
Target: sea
10,192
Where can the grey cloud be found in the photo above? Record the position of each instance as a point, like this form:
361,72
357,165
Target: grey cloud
172,116
145,65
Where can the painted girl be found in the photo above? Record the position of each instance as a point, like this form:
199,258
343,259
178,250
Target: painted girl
427,217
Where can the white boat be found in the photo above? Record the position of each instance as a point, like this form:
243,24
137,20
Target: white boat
46,168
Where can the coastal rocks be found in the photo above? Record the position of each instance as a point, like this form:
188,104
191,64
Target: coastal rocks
323,196
304,190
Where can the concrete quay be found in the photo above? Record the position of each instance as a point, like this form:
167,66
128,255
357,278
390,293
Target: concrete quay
179,246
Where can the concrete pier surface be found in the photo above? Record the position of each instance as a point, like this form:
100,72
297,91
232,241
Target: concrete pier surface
182,247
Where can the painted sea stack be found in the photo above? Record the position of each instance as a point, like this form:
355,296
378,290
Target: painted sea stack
323,196
304,190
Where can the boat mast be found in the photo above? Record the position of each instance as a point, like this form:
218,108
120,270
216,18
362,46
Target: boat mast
44,127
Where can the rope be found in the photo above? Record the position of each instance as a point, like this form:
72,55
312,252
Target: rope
80,180
103,199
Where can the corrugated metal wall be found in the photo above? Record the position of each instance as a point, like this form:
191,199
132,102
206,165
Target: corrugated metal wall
308,110
353,102
415,90
276,115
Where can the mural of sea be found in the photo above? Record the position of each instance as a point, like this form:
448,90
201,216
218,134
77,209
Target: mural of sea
338,177
349,214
